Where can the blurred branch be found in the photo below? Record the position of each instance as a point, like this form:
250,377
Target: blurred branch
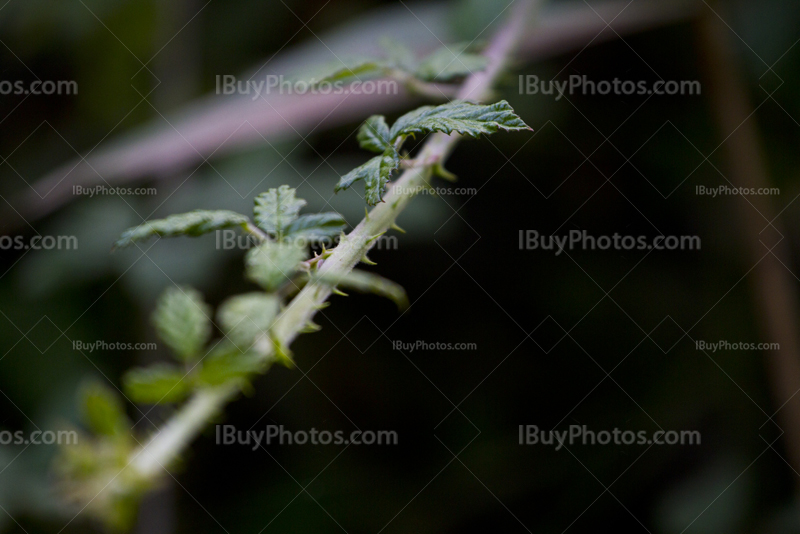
220,124
774,291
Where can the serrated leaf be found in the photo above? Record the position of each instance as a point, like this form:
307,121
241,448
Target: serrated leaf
375,173
227,363
366,283
374,134
315,226
458,116
158,384
103,411
276,209
192,224
182,321
244,318
450,62
272,264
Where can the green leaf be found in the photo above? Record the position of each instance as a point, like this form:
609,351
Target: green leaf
398,54
272,264
158,384
103,411
366,283
244,318
459,116
349,69
276,209
448,63
440,171
374,134
316,226
375,173
192,224
282,352
227,363
182,321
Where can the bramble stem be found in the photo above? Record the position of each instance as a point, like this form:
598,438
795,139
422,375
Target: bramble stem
192,417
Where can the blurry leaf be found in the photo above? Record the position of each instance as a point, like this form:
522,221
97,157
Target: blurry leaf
365,282
349,69
244,318
375,173
272,264
229,363
687,500
316,226
450,62
190,224
400,55
276,208
374,134
158,384
459,116
103,411
182,321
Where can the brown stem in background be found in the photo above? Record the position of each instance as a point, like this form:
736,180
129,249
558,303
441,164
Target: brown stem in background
774,291
218,124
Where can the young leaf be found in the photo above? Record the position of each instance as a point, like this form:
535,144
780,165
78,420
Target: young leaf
158,384
448,63
271,264
350,69
374,134
244,318
375,173
459,116
276,208
315,226
282,353
367,283
228,363
192,224
103,411
182,321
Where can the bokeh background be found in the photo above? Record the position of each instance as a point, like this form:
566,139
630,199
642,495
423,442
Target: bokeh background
548,329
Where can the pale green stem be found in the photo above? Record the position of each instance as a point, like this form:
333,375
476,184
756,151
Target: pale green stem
165,446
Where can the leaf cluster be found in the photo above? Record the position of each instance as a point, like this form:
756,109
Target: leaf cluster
465,118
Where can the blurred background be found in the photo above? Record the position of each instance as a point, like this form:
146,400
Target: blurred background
606,339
